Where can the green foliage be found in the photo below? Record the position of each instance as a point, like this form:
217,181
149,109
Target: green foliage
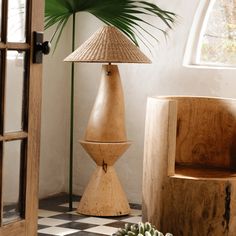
126,15
139,229
221,51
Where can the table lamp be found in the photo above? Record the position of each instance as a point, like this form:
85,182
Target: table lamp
105,138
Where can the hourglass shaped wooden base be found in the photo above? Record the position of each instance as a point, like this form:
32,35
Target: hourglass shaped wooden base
104,195
105,141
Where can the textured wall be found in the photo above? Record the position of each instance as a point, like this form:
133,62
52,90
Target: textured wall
165,76
55,119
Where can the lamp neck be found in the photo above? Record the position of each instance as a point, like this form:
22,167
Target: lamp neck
109,69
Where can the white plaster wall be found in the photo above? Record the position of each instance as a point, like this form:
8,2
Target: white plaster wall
55,119
165,76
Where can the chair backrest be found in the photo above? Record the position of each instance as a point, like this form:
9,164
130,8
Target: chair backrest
206,132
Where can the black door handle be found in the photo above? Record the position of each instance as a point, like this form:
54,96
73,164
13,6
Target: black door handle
45,47
40,47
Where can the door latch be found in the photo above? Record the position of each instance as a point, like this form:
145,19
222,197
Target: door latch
39,47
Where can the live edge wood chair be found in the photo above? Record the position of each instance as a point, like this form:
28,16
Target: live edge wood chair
189,179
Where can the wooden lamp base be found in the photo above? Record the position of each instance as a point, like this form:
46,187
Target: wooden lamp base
104,195
105,141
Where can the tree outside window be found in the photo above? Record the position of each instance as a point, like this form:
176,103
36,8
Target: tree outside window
214,37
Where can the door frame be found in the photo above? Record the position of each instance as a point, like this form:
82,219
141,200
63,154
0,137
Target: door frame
28,226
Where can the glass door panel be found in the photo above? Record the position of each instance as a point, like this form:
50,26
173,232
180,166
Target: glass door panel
16,21
14,91
20,105
12,182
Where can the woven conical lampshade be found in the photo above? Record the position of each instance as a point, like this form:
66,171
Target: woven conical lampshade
108,45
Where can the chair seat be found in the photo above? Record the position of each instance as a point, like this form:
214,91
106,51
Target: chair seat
202,173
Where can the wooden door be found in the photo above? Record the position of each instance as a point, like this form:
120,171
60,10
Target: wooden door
20,104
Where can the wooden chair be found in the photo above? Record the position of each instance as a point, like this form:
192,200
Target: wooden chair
189,171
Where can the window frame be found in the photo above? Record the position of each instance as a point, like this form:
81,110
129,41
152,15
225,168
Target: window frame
193,46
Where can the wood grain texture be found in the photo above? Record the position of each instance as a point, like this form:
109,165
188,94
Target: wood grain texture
104,195
27,226
14,136
155,165
107,119
193,193
105,141
15,46
105,153
206,132
198,207
16,228
35,23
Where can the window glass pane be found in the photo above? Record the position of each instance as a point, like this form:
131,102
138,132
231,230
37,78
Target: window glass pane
218,42
14,89
12,183
16,20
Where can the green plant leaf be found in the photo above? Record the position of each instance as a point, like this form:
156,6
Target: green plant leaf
126,15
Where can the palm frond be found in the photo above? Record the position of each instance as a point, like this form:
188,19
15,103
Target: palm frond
126,15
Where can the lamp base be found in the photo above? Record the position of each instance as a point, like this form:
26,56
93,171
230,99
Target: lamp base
107,119
104,195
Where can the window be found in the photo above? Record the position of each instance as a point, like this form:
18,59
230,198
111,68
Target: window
16,20
212,41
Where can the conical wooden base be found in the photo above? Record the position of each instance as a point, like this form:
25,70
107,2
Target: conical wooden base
107,153
107,119
104,195
105,141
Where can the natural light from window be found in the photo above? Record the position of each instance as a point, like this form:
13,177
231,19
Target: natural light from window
16,21
212,42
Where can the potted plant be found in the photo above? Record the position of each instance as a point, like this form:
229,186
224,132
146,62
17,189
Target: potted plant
139,229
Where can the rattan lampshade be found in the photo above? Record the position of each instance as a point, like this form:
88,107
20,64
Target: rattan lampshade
108,45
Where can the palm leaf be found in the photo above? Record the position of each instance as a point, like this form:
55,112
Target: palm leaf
126,15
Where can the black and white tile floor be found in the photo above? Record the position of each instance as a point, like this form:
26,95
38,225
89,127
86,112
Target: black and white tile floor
54,219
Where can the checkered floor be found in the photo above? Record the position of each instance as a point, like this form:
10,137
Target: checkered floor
54,219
